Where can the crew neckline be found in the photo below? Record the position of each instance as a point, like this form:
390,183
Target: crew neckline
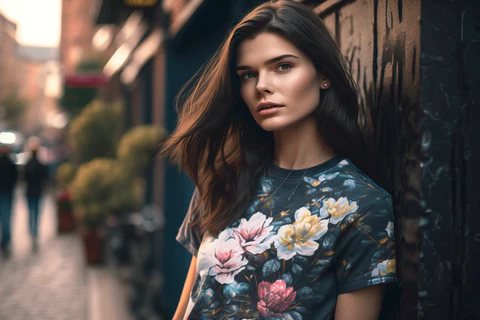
284,173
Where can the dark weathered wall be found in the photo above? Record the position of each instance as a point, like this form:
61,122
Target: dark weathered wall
416,66
450,82
381,42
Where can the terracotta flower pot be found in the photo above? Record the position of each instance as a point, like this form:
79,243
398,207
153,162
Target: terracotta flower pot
65,221
65,216
93,245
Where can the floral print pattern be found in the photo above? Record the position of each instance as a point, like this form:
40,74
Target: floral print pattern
337,209
274,297
254,235
282,259
226,258
384,268
299,237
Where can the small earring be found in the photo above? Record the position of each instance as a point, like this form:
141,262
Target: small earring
324,84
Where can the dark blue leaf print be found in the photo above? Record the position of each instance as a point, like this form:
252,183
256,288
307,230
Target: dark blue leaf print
276,225
314,272
317,268
311,191
300,260
205,315
329,176
232,308
301,309
294,315
349,184
251,268
251,210
329,241
196,288
377,255
270,267
204,299
321,262
337,193
287,220
236,288
288,279
304,293
296,269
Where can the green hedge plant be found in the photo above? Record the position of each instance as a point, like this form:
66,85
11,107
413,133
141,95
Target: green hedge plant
138,147
95,131
102,187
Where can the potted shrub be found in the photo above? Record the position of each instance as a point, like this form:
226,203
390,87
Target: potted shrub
138,147
65,217
95,131
102,187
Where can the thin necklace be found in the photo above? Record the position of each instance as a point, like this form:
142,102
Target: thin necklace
284,180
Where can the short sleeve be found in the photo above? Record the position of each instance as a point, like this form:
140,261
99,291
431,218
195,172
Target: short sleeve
365,254
190,237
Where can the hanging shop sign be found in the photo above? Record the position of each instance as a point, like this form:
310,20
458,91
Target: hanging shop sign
86,80
140,3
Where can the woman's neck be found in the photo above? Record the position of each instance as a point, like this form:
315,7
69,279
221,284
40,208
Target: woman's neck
300,146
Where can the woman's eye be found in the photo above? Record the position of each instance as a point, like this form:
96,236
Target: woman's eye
284,67
247,75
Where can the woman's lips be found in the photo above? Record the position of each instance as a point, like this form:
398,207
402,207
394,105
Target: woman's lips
269,111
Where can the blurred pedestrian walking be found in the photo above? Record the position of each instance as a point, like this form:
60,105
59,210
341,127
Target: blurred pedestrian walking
8,174
36,178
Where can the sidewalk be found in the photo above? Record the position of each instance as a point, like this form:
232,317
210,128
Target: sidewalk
54,283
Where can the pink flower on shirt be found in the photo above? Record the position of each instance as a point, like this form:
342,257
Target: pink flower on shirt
274,297
254,235
224,258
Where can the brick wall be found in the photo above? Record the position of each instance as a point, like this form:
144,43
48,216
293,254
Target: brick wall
8,60
77,31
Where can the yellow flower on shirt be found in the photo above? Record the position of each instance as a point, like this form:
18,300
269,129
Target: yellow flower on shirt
337,209
299,237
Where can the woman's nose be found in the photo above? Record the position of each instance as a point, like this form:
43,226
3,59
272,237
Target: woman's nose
264,84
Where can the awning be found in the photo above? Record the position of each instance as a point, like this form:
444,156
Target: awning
145,51
128,37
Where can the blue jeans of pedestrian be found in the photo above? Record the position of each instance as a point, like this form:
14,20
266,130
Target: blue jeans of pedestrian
5,219
34,212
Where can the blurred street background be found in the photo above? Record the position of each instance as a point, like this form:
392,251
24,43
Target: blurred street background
54,282
87,91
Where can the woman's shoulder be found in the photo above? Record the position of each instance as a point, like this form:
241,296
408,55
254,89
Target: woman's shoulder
347,181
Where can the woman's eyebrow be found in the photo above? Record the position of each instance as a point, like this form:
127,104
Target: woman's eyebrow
283,56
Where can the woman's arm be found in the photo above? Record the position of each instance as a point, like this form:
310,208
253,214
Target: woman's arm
363,304
187,289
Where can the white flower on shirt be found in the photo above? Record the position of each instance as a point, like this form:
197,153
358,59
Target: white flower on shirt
389,229
299,237
223,258
254,235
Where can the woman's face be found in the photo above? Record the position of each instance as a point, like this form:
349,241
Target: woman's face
278,83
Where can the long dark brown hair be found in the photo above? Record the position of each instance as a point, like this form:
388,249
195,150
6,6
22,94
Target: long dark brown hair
218,143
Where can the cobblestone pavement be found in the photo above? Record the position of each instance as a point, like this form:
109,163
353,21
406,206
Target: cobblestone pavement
48,284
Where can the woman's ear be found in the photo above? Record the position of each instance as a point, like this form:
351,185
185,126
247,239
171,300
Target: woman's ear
324,82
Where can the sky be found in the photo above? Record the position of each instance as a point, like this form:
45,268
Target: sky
38,21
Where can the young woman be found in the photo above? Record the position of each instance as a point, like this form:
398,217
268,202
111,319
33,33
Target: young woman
284,223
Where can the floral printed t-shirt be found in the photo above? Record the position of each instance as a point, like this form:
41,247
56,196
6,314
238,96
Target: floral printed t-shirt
290,256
